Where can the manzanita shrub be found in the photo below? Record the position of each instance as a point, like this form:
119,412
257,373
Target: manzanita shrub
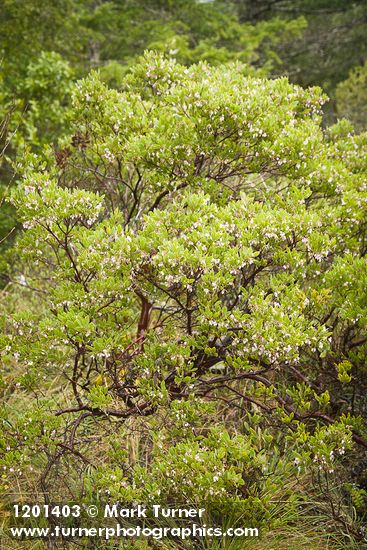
192,324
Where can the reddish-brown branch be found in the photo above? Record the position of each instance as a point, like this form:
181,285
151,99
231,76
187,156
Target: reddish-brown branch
144,319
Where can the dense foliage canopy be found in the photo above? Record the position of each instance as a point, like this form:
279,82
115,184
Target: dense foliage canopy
203,240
